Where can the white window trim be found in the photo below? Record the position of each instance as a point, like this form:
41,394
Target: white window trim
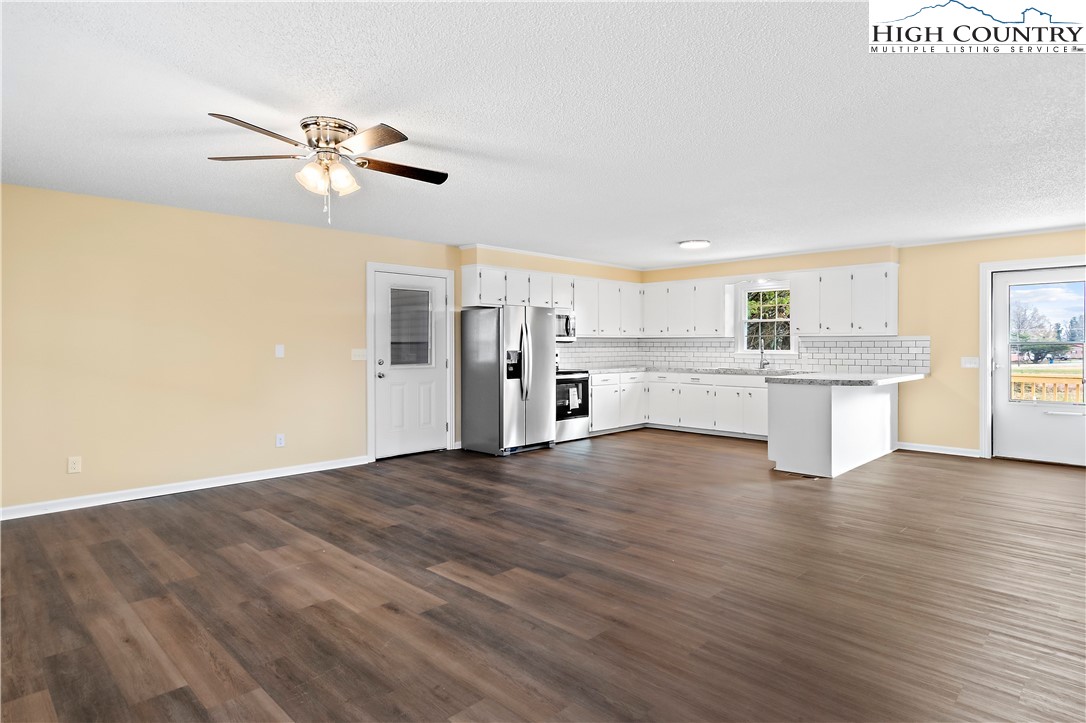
741,290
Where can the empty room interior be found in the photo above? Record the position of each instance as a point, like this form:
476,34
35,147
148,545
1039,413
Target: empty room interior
543,361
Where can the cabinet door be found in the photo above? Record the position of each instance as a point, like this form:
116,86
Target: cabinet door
562,292
517,287
631,309
604,410
708,307
697,404
835,302
756,411
491,286
610,309
539,289
869,301
729,409
654,309
805,303
664,403
632,403
586,307
680,308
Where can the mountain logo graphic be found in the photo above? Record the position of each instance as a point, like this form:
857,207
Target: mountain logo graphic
1038,16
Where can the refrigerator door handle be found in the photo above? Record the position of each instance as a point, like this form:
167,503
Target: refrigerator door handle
523,364
528,360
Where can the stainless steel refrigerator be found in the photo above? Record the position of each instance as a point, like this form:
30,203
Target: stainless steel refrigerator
507,378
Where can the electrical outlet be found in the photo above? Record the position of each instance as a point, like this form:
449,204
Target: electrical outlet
280,440
75,465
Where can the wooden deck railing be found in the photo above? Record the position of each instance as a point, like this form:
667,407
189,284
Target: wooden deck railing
1046,389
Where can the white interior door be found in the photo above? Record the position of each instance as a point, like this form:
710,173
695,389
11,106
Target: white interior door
1037,383
410,362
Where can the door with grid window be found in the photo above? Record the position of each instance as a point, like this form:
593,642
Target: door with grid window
1038,410
411,364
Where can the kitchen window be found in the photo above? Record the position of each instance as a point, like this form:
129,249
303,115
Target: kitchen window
768,320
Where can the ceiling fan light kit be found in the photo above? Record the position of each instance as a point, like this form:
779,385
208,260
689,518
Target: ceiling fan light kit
331,141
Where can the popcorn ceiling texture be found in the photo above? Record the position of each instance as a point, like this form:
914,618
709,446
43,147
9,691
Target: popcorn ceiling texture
858,355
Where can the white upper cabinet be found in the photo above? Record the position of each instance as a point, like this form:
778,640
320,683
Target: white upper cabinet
539,289
804,307
482,286
835,301
631,309
517,287
709,312
610,309
586,306
680,308
654,309
562,292
874,300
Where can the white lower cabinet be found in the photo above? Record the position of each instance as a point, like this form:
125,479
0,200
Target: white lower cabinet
604,408
729,409
632,403
735,404
697,407
663,403
756,411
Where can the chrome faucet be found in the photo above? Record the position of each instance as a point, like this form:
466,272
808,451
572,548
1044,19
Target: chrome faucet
762,361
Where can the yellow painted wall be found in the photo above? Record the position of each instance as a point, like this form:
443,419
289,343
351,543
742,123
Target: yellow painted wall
546,264
939,296
142,338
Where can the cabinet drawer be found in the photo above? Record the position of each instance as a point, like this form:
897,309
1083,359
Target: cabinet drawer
739,380
662,377
598,379
632,377
697,378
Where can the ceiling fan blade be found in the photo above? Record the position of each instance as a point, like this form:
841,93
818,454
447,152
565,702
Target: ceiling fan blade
250,158
418,174
377,137
258,129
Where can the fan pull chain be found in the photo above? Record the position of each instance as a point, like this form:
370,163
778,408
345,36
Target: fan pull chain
328,205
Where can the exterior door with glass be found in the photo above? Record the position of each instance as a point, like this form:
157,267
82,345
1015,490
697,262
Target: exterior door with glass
1038,410
410,364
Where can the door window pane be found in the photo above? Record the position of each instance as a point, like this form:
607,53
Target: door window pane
410,327
1046,341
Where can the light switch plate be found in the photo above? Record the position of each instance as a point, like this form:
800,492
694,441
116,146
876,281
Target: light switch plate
358,355
970,362
280,351
75,465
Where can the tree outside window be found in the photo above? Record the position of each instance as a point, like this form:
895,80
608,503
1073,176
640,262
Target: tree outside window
768,320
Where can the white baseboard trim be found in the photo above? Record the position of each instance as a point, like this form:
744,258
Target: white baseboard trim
454,445
137,493
937,449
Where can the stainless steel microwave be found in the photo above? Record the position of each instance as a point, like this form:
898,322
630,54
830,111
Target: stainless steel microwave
565,325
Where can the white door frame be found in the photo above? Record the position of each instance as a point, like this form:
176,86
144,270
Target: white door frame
372,268
986,272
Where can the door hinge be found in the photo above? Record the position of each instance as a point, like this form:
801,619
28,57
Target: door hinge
446,426
446,363
851,277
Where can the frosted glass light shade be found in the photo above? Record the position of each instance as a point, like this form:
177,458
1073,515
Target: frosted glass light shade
341,179
313,178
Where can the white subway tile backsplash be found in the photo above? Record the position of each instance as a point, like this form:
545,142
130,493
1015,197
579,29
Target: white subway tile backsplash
856,354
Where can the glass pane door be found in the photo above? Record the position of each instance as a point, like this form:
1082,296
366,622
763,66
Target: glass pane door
1045,342
410,327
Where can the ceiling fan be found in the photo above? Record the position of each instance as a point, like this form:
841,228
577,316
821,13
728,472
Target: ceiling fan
334,142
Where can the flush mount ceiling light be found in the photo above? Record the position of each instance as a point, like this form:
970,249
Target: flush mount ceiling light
693,244
333,141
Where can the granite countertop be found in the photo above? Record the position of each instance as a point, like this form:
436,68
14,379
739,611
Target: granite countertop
697,370
832,379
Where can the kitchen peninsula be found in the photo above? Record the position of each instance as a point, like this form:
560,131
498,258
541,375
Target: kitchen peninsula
826,424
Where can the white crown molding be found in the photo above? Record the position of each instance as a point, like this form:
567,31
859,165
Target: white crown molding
138,493
540,254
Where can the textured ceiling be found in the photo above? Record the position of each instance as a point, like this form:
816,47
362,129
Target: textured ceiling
598,131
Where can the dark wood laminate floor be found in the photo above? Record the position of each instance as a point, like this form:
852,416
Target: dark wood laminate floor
644,575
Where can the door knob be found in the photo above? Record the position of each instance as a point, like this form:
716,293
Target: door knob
380,375
380,362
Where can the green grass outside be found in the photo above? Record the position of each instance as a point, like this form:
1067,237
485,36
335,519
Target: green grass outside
1059,369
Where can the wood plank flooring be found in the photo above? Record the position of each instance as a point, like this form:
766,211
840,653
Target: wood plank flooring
647,575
